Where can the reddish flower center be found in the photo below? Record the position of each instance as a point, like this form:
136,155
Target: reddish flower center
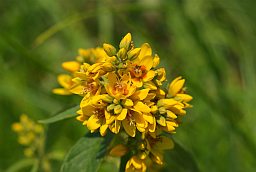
138,71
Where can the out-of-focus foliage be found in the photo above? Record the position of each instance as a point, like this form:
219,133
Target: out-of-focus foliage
211,43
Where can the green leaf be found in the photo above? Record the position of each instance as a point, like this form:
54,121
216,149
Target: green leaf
87,154
180,160
24,163
69,113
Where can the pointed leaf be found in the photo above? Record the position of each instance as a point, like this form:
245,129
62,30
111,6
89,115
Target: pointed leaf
69,113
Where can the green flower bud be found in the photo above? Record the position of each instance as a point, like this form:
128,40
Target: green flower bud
133,54
122,54
109,49
118,109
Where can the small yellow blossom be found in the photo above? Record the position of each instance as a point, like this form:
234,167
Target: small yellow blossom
30,134
119,88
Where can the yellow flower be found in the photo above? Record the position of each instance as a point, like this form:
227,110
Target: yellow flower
134,120
135,165
85,87
140,67
119,88
92,114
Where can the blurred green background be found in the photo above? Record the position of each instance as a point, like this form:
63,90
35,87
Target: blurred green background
211,43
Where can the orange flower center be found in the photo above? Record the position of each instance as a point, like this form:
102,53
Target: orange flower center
138,71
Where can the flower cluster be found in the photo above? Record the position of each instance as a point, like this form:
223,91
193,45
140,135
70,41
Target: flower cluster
30,135
122,91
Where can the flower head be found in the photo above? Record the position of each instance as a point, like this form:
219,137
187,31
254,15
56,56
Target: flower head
123,92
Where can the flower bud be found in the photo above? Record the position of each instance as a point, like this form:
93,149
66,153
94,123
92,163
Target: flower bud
156,60
122,54
126,42
133,54
128,102
162,110
110,107
106,98
161,121
109,49
117,109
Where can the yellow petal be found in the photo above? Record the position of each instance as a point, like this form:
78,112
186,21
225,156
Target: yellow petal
146,61
145,51
127,102
112,78
119,150
150,85
170,114
161,121
152,127
139,119
129,127
65,80
170,126
175,86
149,76
109,118
79,89
154,109
160,93
93,123
115,127
103,130
61,91
140,95
141,107
137,83
184,97
71,66
122,115
166,102
148,117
